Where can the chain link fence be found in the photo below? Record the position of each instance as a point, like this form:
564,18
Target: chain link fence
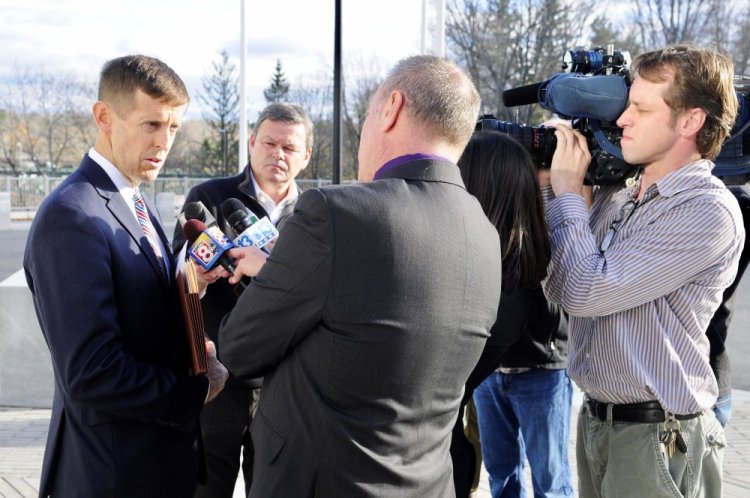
27,193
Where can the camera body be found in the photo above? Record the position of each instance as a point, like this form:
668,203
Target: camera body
540,141
592,93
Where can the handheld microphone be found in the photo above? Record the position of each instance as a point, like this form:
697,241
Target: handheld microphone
196,211
237,215
208,245
250,231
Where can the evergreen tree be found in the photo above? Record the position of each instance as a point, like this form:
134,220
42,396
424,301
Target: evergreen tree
221,97
279,88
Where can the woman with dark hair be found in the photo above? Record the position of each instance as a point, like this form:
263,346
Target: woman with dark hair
500,173
523,395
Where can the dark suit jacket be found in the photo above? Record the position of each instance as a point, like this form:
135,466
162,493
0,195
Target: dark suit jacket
124,414
367,319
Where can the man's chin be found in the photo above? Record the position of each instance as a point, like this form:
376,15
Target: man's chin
148,176
278,178
629,158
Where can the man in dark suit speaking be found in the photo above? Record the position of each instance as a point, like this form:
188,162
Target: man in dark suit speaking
125,411
373,307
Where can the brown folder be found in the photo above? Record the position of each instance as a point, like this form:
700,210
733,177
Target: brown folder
193,315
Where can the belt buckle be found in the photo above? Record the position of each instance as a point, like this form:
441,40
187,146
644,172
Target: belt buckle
593,407
600,410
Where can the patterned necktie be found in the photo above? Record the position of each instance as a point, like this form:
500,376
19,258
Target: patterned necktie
148,228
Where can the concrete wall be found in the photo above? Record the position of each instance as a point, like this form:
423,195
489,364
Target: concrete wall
5,214
25,367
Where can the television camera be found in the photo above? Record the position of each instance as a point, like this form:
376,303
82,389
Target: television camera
592,92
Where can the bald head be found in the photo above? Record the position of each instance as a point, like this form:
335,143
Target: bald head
438,96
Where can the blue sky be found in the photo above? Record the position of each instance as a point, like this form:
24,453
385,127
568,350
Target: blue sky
78,36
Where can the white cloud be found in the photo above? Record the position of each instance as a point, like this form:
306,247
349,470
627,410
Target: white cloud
80,35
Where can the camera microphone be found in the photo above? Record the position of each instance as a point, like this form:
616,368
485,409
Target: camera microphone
523,95
573,95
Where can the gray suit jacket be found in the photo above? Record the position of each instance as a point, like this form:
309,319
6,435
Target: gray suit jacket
367,320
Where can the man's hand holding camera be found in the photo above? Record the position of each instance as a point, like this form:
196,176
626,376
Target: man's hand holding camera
570,161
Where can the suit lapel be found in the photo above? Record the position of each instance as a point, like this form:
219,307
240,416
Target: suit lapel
121,212
156,221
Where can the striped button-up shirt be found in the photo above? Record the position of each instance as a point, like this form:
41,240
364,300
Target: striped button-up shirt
639,308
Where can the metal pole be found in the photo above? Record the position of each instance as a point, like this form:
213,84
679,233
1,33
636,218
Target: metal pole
440,31
224,149
337,141
433,27
243,93
423,37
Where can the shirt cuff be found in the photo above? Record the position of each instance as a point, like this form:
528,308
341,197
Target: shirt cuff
565,209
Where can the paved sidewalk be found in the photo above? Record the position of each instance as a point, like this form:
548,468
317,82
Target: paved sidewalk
23,433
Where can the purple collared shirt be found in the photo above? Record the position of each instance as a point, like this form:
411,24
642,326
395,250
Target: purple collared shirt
398,161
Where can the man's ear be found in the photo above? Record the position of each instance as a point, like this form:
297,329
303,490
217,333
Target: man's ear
393,105
693,121
308,155
103,116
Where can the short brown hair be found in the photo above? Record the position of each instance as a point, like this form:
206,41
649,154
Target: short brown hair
121,77
438,94
703,78
287,113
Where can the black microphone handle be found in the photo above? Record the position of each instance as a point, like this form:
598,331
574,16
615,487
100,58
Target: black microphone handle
522,95
228,265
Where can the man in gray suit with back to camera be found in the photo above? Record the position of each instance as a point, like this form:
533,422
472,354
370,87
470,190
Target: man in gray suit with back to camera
374,306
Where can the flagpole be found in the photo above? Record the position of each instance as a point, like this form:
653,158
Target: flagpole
337,96
440,34
423,37
243,92
432,39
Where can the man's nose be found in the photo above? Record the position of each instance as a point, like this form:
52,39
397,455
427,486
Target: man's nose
163,138
624,118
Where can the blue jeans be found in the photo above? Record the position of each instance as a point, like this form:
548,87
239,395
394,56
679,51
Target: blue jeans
521,416
723,409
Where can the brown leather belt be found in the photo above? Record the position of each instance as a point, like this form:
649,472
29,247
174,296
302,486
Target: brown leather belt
648,412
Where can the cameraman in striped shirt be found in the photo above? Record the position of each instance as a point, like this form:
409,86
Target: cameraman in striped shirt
641,274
